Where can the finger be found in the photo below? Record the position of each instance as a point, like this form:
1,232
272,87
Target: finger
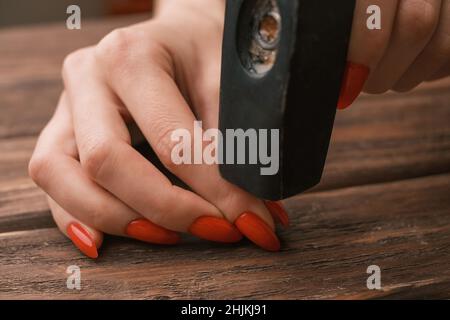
278,212
435,55
159,109
415,24
204,100
107,156
85,238
367,46
55,169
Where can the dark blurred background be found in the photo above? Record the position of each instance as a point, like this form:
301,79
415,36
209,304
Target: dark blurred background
22,12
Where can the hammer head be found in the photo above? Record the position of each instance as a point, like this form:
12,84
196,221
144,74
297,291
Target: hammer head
282,68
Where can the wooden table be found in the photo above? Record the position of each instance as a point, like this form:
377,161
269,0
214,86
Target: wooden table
384,200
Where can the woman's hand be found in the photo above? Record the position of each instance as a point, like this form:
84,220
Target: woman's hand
412,46
162,74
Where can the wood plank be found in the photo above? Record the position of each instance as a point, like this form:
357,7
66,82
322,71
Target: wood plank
30,68
391,137
22,204
403,227
37,52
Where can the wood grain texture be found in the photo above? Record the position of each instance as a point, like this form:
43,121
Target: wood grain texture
384,200
30,70
404,227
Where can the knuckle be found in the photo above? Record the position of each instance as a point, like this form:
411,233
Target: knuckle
124,48
419,20
39,168
116,48
73,61
95,156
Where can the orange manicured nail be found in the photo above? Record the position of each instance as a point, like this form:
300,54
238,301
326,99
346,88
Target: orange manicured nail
278,212
355,77
144,230
254,228
215,229
82,239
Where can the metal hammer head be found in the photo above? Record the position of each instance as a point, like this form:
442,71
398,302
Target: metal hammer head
282,67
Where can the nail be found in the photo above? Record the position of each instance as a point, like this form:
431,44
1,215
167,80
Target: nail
215,229
355,77
278,212
82,240
254,228
144,230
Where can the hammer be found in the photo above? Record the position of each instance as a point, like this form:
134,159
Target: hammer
282,66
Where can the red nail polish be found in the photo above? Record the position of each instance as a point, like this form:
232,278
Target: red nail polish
355,76
278,212
255,229
215,229
82,239
145,230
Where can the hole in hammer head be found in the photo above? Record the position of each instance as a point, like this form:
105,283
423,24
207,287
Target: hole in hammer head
259,35
269,30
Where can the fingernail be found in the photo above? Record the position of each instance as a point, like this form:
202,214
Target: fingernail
355,77
278,212
215,229
144,230
82,240
254,228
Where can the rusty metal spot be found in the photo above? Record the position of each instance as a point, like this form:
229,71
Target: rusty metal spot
259,33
